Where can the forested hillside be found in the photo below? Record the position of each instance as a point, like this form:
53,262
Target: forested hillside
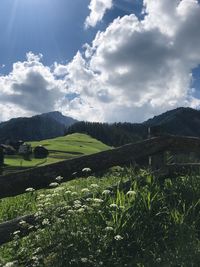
180,121
39,127
115,134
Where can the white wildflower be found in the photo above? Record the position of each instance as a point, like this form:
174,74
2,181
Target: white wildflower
38,214
89,199
54,184
59,189
70,211
113,206
11,264
106,192
59,178
37,250
85,190
86,170
81,210
22,222
55,195
77,202
118,237
131,193
98,200
46,222
30,189
84,260
41,196
16,232
109,229
35,258
94,186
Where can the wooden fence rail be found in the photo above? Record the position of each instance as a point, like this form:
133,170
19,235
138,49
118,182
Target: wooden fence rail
9,227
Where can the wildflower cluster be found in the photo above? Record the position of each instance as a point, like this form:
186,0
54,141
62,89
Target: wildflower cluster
147,224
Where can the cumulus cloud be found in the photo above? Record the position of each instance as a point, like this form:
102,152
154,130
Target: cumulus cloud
97,10
136,69
30,88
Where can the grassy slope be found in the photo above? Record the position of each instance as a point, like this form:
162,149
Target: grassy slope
60,148
24,204
155,224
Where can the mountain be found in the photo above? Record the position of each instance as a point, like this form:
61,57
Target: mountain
180,121
59,117
39,127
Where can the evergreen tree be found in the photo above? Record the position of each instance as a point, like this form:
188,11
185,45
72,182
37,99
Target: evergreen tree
116,134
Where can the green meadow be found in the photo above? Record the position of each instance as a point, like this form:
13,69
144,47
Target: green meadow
60,148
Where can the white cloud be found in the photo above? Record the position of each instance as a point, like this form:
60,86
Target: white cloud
98,9
30,88
131,71
136,69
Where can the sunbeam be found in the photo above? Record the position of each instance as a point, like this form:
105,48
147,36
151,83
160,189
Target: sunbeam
13,15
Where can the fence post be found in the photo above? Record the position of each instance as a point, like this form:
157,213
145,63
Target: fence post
156,161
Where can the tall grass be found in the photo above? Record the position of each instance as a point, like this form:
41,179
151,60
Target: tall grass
152,223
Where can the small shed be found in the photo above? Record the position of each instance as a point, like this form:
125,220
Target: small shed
40,152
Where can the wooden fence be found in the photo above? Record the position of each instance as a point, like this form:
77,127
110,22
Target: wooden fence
41,177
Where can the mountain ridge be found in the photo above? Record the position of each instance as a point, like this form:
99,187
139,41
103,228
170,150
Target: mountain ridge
180,121
38,127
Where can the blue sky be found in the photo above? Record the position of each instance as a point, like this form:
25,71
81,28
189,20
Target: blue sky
99,60
54,28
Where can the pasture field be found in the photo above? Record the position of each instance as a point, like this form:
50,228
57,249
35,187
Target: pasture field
86,222
60,148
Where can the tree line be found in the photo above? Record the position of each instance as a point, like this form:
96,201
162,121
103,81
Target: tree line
115,134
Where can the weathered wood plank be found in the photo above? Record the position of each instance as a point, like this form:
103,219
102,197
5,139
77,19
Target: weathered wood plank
183,169
9,227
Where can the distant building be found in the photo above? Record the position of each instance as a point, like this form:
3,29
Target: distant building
40,152
14,144
8,150
25,149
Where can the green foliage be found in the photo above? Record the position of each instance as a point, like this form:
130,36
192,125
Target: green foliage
150,223
115,134
180,121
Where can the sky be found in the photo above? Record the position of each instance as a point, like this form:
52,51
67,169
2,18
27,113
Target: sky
99,60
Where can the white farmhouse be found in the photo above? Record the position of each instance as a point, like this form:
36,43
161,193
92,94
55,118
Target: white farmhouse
24,149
